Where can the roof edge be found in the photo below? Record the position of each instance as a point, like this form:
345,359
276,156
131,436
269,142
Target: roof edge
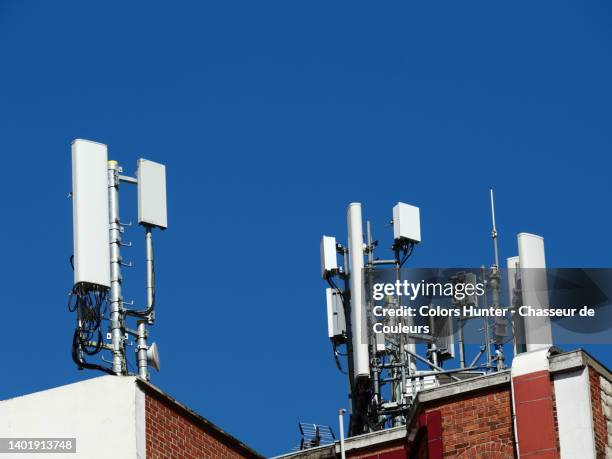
567,361
155,391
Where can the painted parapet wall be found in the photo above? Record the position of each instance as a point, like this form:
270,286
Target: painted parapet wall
105,415
117,417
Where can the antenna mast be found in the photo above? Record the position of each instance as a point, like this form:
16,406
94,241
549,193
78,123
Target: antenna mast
388,368
98,280
499,325
116,299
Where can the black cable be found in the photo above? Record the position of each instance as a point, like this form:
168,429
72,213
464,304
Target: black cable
82,363
333,285
407,252
338,364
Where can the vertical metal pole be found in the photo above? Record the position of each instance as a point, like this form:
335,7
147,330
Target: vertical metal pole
116,300
486,326
341,428
460,323
402,342
433,348
349,344
374,344
494,230
369,242
150,267
142,350
142,324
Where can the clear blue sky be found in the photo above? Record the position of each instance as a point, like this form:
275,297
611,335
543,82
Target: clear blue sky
271,117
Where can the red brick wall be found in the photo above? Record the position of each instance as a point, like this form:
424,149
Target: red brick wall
171,434
382,452
599,421
556,419
477,423
535,417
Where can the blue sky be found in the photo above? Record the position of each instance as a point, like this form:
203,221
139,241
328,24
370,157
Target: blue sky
271,117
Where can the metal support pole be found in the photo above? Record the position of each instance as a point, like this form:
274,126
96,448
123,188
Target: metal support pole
150,268
431,364
375,376
142,324
370,243
494,230
433,349
116,299
460,323
341,428
485,322
402,342
141,350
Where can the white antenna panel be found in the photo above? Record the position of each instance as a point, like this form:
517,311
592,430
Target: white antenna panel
406,222
513,270
361,358
336,323
90,213
329,258
534,289
152,194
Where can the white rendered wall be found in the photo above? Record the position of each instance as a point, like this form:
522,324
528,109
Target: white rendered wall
575,414
105,414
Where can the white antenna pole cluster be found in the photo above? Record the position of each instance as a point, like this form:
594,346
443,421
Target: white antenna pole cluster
386,370
97,257
348,323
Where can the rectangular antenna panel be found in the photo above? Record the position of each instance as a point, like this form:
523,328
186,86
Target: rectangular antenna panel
406,222
513,272
152,194
359,328
329,259
336,324
379,339
90,213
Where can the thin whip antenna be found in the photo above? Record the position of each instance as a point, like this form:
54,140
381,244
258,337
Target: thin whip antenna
494,230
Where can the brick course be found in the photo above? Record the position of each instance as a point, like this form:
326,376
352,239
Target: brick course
599,420
477,425
386,452
173,434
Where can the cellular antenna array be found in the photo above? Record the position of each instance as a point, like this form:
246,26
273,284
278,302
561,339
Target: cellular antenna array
385,371
96,296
